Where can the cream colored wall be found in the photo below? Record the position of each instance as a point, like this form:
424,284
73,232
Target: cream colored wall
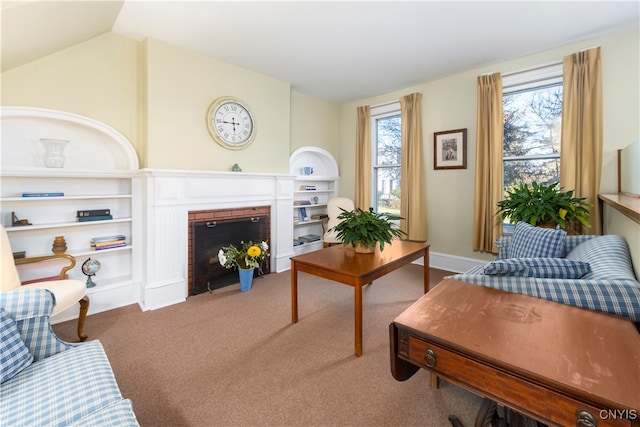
157,95
181,85
314,122
97,78
450,103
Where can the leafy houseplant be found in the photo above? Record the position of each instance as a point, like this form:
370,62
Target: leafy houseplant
248,255
364,228
544,205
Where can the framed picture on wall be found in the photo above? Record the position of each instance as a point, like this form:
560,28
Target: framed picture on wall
450,149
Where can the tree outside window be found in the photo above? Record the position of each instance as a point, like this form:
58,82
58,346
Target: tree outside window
532,125
387,173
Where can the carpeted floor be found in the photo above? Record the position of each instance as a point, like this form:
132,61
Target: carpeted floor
235,359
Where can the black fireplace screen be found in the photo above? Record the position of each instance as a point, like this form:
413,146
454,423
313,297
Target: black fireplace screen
209,237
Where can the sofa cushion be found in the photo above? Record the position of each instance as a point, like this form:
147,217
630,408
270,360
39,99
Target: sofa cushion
14,354
608,256
536,242
60,389
547,268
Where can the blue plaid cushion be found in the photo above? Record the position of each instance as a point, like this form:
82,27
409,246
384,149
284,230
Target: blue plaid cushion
61,389
535,242
608,255
547,268
14,355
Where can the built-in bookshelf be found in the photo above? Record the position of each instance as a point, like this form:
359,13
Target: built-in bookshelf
39,203
316,182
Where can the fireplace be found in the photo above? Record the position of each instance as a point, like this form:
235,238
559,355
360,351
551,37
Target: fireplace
211,230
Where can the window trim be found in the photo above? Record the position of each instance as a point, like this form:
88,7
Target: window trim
381,111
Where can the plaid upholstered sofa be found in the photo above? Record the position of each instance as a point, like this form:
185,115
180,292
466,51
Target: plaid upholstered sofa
45,381
592,272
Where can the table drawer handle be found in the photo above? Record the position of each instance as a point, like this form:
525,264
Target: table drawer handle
430,358
585,419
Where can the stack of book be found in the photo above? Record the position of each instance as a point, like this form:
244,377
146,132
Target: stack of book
94,215
107,242
310,238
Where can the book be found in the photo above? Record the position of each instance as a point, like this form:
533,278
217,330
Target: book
108,238
94,212
302,214
310,238
301,203
109,243
110,246
308,187
42,194
319,216
94,218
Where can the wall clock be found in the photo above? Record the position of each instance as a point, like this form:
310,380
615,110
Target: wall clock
231,123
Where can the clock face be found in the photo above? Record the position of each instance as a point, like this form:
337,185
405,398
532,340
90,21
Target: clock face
231,123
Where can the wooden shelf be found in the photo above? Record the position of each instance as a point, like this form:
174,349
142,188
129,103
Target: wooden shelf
628,205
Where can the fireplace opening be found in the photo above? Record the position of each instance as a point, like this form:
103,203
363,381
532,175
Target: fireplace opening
209,236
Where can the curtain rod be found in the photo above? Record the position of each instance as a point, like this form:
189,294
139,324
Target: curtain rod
552,64
384,104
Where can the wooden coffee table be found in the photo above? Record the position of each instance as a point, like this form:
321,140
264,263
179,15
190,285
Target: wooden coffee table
558,364
342,264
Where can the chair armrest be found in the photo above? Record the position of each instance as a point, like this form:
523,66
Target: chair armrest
63,272
30,309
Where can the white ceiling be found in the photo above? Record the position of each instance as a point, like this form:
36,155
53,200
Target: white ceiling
334,50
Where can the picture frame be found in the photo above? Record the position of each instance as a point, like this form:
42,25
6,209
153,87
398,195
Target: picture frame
450,149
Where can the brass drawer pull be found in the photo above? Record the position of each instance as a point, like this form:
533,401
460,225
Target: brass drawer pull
430,358
585,419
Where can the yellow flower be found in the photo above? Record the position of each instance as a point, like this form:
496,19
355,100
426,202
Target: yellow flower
254,251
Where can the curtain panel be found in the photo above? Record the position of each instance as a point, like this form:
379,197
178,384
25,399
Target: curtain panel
413,206
363,158
487,225
581,140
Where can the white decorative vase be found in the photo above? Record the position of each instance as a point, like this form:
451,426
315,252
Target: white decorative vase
54,152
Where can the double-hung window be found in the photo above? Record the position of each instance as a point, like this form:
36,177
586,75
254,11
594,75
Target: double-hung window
386,139
532,104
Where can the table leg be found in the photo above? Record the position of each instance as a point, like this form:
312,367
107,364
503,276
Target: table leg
427,271
357,309
294,293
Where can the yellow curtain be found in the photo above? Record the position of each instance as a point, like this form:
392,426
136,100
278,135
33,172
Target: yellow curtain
363,158
413,205
487,225
581,146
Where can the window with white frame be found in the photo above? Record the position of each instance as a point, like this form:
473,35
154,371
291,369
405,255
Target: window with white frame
532,103
386,140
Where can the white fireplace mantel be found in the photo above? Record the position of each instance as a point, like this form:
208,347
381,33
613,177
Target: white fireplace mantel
169,195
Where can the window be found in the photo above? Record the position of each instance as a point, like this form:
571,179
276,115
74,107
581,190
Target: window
532,103
386,139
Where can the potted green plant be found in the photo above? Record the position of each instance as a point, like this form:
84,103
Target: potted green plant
544,205
363,229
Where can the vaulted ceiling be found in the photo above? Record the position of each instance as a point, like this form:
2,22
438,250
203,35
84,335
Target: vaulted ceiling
333,50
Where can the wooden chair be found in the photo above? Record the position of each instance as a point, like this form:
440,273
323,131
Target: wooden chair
66,291
330,237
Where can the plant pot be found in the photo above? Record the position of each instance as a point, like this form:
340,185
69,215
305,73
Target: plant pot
246,278
364,249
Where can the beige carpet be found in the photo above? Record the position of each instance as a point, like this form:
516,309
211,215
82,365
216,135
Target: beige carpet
235,359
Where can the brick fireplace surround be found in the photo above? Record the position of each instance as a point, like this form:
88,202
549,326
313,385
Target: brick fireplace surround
220,215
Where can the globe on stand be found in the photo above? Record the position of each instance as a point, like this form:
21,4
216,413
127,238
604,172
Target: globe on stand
90,267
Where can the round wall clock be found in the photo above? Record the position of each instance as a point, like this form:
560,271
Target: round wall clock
231,123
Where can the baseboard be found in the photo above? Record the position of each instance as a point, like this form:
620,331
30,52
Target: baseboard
453,263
